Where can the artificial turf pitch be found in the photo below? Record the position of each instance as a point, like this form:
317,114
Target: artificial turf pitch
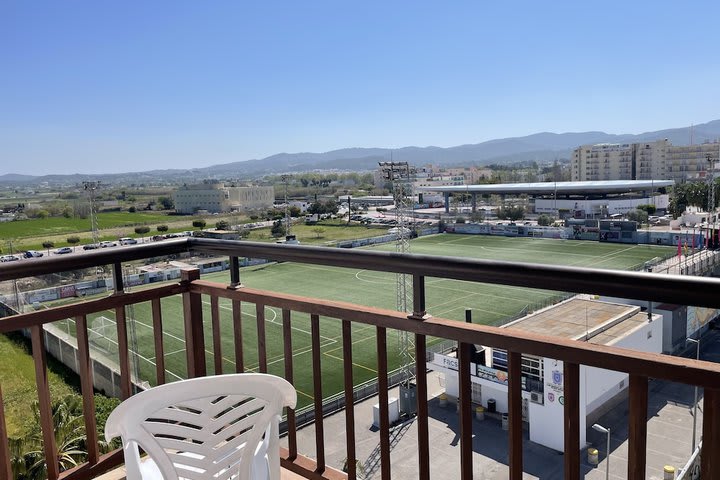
490,304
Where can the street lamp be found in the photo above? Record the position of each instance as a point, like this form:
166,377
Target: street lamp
599,428
695,401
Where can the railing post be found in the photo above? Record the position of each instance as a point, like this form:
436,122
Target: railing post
349,405
317,392
86,384
571,392
194,335
5,467
234,273
637,431
710,462
515,430
466,422
382,360
419,313
118,282
44,402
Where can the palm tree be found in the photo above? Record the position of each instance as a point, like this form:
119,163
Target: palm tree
70,441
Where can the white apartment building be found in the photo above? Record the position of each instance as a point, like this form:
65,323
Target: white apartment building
659,160
690,162
216,197
620,161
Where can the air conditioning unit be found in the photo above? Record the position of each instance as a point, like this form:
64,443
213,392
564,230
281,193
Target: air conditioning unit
536,397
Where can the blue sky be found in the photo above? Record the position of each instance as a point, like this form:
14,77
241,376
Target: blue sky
103,87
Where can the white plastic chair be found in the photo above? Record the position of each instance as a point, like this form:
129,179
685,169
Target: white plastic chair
219,427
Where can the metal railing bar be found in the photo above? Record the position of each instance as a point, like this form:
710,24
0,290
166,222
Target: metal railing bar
30,319
683,290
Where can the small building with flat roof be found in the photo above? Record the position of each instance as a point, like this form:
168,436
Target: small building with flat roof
580,318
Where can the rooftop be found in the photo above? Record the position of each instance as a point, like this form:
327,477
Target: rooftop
599,322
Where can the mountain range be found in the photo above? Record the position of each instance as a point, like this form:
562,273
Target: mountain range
540,147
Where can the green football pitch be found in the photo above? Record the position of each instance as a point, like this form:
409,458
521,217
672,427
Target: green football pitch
490,304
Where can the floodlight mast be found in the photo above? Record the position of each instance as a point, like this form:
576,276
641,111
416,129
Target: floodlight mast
90,188
285,179
400,176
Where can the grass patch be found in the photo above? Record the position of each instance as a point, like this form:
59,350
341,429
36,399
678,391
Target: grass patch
17,377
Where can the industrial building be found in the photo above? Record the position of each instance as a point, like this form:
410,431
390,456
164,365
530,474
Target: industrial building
216,197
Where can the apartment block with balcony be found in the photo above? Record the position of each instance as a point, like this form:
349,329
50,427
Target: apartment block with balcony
619,161
691,162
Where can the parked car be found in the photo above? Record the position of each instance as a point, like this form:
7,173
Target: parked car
127,241
108,243
91,246
62,250
33,254
8,258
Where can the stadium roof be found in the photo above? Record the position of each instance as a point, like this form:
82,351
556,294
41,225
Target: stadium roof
567,188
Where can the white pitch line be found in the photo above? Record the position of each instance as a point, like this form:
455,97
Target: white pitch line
275,316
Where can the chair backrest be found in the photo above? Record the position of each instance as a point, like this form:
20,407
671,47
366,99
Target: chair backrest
204,428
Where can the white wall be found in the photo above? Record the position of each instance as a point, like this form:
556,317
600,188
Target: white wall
602,385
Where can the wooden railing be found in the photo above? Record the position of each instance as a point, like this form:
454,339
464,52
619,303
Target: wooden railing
640,366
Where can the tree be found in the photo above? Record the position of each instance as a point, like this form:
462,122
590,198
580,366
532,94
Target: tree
74,240
28,461
640,216
278,229
199,223
167,203
545,220
512,213
649,208
222,225
142,230
48,244
318,231
162,228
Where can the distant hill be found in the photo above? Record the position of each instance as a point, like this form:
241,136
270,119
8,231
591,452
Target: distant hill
540,147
